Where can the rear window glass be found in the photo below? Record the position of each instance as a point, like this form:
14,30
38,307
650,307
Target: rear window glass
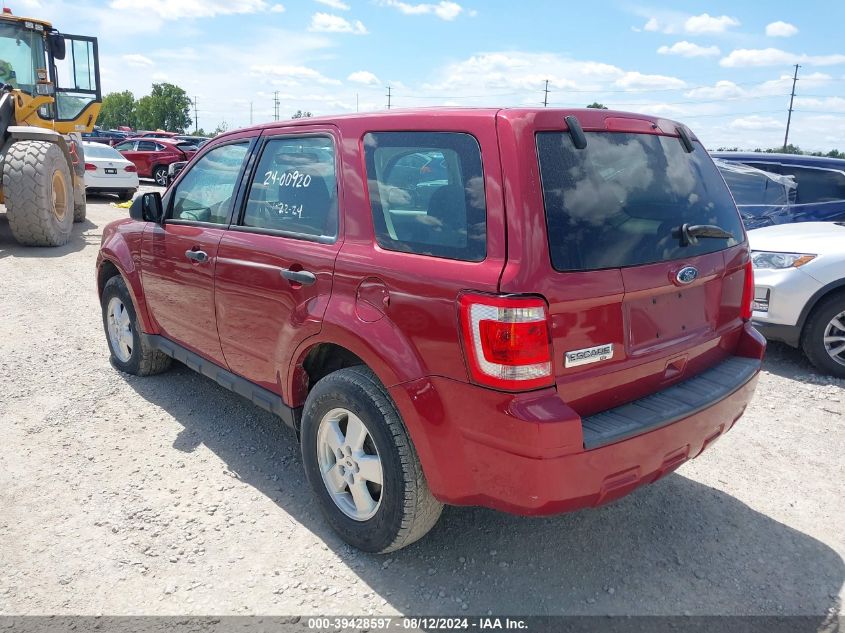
616,202
427,193
98,150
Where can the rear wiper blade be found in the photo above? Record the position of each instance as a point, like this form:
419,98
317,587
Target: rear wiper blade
690,233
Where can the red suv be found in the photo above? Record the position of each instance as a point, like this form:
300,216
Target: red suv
530,310
152,156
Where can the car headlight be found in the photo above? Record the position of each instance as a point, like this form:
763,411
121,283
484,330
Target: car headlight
779,261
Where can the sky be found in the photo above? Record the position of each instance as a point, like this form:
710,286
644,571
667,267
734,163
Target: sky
723,68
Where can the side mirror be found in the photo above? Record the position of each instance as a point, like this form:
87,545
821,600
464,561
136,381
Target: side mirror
56,42
147,208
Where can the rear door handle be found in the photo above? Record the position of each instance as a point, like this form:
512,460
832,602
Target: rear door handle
303,277
197,256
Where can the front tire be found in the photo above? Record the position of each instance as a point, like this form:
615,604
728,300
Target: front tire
823,339
38,192
362,465
130,351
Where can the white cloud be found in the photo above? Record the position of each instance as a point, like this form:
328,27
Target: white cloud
328,23
688,49
757,122
292,75
277,8
744,57
824,104
781,29
363,77
636,80
335,4
720,90
706,23
445,10
170,10
677,22
137,61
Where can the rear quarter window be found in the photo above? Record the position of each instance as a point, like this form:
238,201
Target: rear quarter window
616,202
427,193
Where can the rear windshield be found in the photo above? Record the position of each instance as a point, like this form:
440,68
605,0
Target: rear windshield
616,202
98,150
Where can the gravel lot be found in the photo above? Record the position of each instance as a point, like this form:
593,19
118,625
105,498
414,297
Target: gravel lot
169,495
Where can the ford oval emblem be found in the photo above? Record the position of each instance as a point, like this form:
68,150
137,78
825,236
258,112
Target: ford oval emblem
687,275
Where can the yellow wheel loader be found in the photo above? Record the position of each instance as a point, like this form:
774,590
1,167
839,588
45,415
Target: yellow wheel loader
49,95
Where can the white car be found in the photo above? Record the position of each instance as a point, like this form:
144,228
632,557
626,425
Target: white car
107,171
799,289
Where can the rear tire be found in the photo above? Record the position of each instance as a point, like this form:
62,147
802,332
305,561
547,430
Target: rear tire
397,511
38,190
160,175
130,351
822,324
126,194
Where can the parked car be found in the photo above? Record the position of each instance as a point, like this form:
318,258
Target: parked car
799,289
199,141
155,134
153,155
107,171
107,137
820,184
565,319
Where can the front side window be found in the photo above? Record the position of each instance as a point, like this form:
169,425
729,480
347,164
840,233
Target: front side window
427,193
294,189
126,146
205,193
817,185
619,201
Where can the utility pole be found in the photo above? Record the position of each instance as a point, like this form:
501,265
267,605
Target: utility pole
791,99
196,116
546,97
250,112
388,97
356,102
276,105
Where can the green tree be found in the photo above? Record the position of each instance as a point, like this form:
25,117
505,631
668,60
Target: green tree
597,106
222,127
167,107
118,109
299,114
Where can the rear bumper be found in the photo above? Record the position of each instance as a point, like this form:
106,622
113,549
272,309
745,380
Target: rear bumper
789,334
525,454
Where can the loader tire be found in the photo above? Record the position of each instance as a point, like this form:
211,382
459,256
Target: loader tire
38,191
79,204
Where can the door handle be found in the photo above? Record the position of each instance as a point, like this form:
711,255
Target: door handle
197,256
303,277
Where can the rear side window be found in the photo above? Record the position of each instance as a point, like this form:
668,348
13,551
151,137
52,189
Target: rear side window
817,185
427,193
616,202
146,146
295,188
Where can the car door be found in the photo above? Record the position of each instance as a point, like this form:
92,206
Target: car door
178,258
146,152
274,266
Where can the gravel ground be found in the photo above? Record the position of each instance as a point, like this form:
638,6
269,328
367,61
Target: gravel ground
170,495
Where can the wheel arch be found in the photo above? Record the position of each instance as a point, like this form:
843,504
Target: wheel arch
822,293
115,258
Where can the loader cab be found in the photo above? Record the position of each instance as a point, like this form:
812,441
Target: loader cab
57,75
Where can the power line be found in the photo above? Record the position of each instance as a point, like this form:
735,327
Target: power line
791,99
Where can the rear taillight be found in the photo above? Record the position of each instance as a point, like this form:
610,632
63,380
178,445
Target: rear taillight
747,293
90,167
131,168
506,340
